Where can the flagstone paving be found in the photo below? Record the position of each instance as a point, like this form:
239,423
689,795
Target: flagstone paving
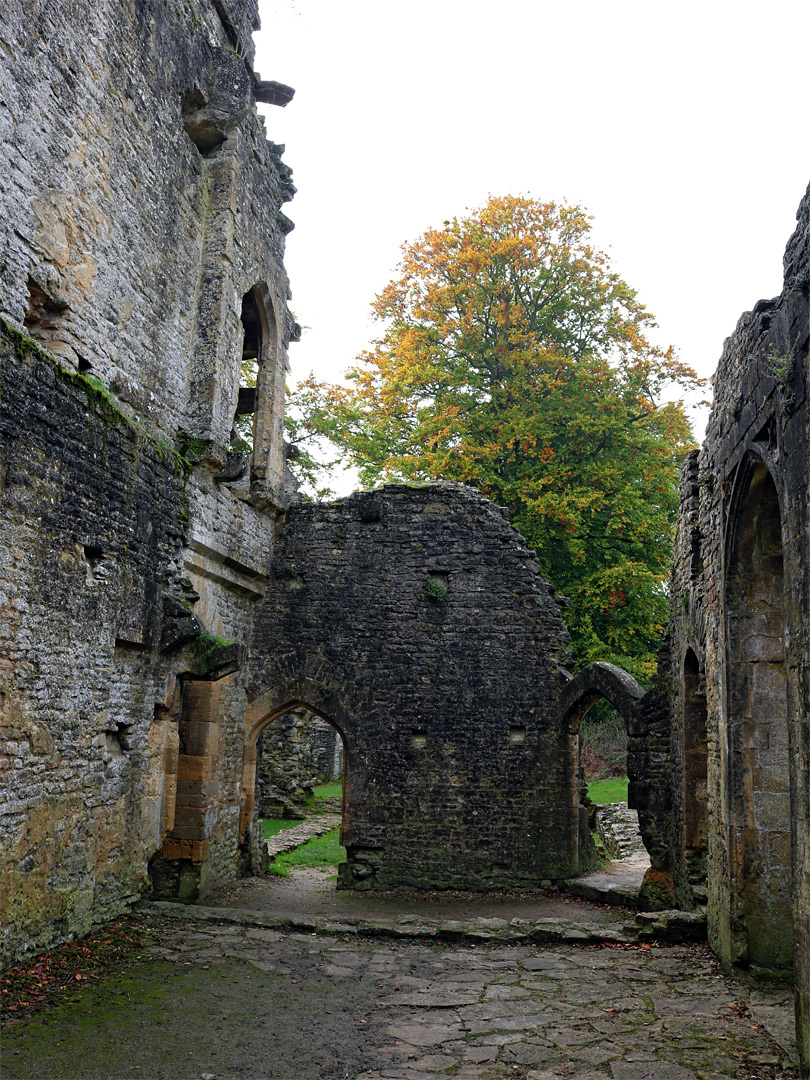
226,1001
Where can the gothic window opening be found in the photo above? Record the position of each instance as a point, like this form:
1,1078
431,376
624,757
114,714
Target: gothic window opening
256,434
242,434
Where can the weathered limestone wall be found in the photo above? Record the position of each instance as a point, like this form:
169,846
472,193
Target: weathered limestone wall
327,750
100,662
741,643
142,203
416,621
93,514
141,244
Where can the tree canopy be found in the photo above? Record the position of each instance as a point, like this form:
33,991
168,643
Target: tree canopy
511,357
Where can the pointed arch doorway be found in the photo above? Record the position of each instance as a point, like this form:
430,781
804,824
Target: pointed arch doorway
758,776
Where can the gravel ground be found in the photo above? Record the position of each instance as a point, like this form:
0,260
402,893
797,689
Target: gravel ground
312,892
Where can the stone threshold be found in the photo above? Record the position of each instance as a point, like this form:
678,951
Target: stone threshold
615,882
673,927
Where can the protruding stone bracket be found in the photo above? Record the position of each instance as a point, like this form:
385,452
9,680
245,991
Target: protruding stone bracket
214,660
179,624
599,680
270,92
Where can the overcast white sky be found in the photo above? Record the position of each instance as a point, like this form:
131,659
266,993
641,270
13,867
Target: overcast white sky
680,126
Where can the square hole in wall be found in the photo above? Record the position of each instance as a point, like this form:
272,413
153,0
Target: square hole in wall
517,733
419,738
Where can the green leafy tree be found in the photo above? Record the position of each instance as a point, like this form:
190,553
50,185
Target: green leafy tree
513,358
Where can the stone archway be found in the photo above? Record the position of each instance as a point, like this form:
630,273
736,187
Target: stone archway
267,708
758,781
598,681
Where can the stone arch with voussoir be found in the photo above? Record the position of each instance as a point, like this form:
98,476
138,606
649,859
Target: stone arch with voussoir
600,680
614,684
302,692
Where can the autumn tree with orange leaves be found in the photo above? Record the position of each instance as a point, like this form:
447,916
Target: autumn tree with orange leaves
512,358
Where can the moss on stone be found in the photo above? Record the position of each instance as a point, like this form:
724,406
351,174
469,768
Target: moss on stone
657,892
22,344
207,646
99,397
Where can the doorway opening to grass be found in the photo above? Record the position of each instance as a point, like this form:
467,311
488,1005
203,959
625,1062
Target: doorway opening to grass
300,763
603,753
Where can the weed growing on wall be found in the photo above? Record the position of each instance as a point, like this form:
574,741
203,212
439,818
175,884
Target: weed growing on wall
435,589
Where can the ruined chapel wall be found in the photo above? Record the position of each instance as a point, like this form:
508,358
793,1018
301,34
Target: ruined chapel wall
757,435
95,747
419,622
141,244
91,528
142,200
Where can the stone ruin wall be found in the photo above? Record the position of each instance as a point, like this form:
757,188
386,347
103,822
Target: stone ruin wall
141,203
740,644
327,751
416,620
90,518
127,248
142,244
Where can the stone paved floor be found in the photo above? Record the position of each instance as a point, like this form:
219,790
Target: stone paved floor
224,995
298,835
223,1002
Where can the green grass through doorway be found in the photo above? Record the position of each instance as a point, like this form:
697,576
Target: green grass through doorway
608,791
329,791
273,826
323,798
321,853
315,805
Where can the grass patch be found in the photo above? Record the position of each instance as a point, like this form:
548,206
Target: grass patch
319,802
329,791
608,791
320,853
273,826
